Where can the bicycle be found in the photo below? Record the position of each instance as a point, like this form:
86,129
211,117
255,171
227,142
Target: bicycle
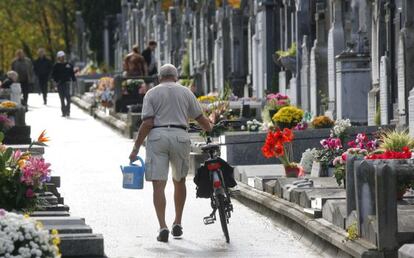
219,194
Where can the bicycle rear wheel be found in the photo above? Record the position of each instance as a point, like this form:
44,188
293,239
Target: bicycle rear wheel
222,214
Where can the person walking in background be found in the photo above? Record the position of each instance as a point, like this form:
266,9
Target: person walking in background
42,68
24,68
63,74
165,114
134,63
149,56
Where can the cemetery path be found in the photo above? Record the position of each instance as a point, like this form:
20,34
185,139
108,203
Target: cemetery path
86,154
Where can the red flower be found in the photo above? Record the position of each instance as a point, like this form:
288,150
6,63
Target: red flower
404,154
279,150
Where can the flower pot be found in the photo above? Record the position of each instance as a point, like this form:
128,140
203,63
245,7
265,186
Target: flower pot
289,63
292,171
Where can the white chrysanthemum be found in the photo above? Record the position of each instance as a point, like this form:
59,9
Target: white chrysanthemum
307,159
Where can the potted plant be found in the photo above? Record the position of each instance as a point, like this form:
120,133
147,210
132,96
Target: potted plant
22,176
395,145
23,236
322,122
277,144
286,58
274,102
288,117
131,86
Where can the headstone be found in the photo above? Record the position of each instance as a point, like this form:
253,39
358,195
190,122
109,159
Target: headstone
411,112
282,82
334,211
353,81
401,81
372,105
293,94
336,43
305,76
384,88
406,251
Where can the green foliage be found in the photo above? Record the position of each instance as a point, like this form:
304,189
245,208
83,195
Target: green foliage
395,140
225,95
339,173
32,24
352,231
290,52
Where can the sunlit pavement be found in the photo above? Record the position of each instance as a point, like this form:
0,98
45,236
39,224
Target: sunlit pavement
86,154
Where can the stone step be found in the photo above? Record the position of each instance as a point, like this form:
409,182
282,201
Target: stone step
52,200
50,214
70,229
58,207
61,220
82,245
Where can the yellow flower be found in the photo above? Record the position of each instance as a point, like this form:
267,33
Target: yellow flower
288,115
26,215
54,232
39,225
207,99
56,241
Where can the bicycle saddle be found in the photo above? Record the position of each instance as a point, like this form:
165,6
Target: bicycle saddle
210,147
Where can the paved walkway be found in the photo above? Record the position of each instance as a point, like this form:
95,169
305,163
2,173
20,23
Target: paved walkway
87,154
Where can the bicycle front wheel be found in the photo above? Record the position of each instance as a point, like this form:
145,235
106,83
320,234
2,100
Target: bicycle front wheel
222,214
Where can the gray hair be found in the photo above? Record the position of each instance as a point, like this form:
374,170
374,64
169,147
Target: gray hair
12,75
168,70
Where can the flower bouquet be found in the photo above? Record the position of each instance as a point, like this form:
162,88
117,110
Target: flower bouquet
21,236
8,104
253,126
131,86
274,102
331,148
277,144
288,117
22,176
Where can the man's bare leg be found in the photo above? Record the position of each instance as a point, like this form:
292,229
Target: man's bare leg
180,194
159,201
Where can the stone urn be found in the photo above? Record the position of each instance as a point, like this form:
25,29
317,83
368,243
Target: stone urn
287,62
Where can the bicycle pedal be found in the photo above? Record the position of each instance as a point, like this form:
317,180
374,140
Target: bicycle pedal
208,220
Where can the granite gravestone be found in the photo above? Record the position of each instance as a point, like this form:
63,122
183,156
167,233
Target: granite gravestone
336,43
384,88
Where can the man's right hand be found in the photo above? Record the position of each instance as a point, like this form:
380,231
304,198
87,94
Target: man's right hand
205,123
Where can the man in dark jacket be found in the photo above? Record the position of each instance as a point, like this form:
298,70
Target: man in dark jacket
24,68
42,68
149,57
63,74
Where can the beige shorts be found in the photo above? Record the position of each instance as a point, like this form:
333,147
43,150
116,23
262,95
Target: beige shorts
167,146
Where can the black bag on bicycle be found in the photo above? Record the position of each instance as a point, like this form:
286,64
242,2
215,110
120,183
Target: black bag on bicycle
203,182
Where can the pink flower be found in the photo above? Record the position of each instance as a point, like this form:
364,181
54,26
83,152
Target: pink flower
35,172
2,212
29,193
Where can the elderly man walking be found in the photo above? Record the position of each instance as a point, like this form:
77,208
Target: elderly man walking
24,68
165,114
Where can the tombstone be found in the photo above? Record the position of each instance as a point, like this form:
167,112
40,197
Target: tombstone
258,56
305,76
401,76
353,80
372,105
293,94
384,91
318,63
411,112
336,43
283,82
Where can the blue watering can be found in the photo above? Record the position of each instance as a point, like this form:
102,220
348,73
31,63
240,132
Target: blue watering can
133,175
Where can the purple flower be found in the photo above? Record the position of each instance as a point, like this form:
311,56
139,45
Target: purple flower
2,212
